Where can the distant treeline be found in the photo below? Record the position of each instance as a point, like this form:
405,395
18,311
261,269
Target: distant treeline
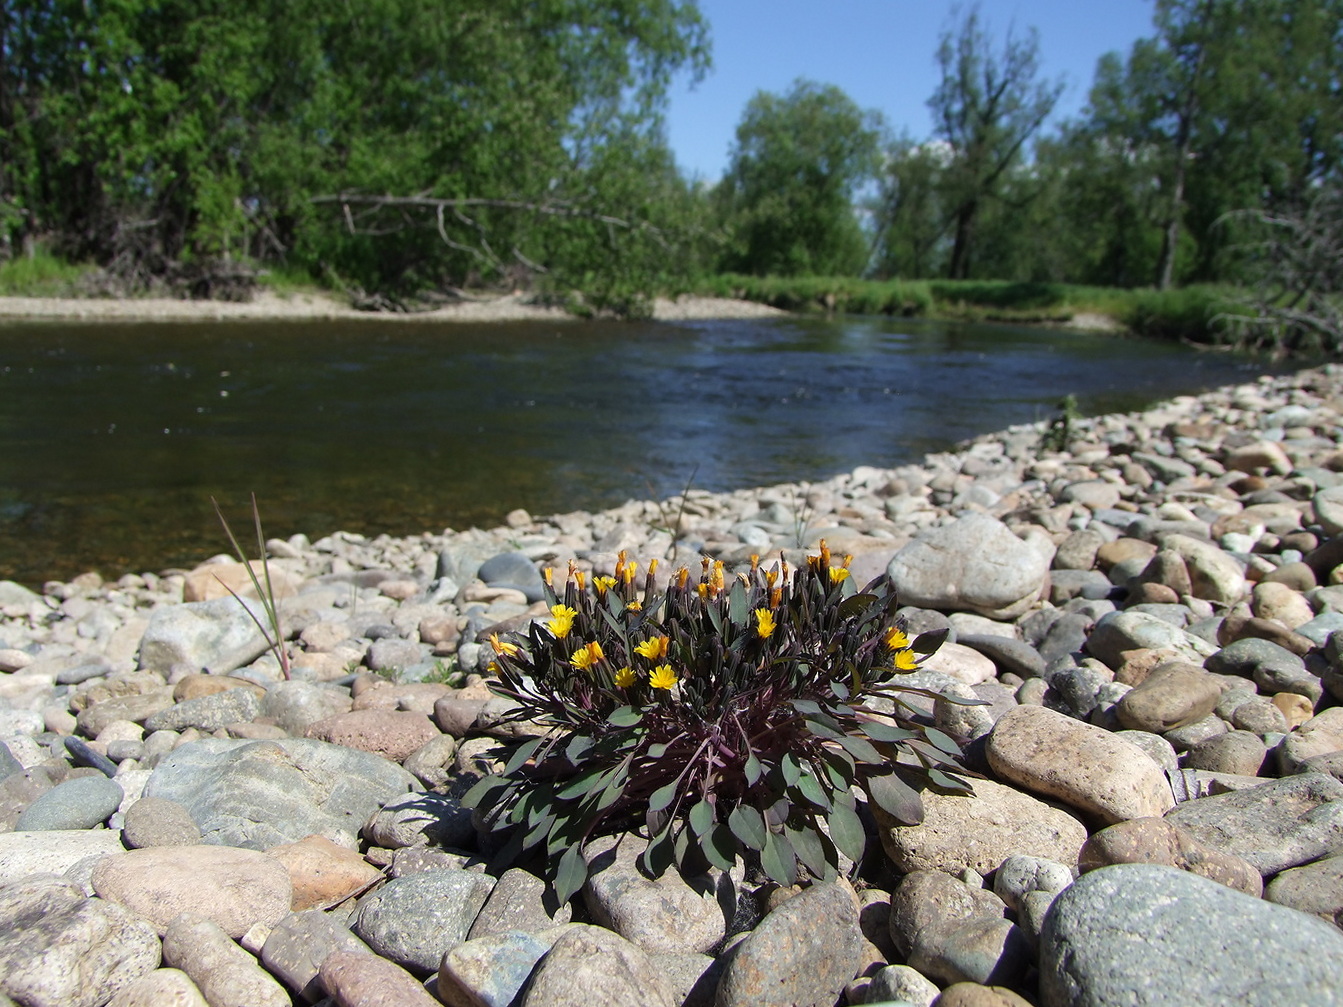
396,147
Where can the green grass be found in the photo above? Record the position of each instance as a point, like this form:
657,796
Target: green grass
42,275
1187,313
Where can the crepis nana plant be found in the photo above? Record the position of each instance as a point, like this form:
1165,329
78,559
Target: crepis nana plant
723,717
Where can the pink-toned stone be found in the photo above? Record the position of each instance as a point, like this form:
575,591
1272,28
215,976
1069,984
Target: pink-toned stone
322,872
356,979
1157,841
195,686
393,735
213,580
235,888
417,697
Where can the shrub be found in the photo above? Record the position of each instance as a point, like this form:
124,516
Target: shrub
725,717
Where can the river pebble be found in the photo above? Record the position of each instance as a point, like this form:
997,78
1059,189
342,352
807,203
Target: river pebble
1172,582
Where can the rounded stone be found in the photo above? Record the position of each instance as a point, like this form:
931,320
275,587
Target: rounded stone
156,821
80,803
1157,841
233,888
1240,752
1174,694
1113,930
1083,766
393,734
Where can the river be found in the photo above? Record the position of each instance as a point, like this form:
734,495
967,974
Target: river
114,436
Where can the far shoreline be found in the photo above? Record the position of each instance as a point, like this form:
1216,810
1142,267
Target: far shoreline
273,307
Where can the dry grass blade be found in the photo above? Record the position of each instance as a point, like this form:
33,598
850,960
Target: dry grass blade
274,635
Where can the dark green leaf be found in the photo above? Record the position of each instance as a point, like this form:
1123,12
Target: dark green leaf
947,782
577,747
777,813
813,791
885,732
808,847
701,817
855,605
720,847
520,755
792,769
659,855
840,690
613,792
624,716
897,798
657,751
483,794
587,782
927,643
778,860
824,727
747,825
805,706
846,831
942,741
571,873
736,601
752,770
862,750
662,797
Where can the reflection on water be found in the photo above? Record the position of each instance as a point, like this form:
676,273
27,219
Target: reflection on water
113,437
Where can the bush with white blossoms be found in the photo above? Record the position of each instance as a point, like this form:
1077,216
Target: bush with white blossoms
721,717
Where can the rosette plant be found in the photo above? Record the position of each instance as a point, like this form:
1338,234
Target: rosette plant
722,716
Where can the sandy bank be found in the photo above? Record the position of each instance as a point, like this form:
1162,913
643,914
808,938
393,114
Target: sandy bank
269,306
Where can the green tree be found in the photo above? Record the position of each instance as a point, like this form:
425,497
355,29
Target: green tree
796,167
152,133
986,107
911,219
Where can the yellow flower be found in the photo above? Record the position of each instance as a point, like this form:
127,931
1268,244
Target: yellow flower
662,677
764,622
896,639
585,657
603,584
562,621
627,571
652,649
703,590
906,660
634,606
578,576
503,646
493,668
625,677
838,573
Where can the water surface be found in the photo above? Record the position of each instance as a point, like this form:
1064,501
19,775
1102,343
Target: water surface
114,436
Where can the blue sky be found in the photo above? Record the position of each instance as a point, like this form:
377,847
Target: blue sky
880,52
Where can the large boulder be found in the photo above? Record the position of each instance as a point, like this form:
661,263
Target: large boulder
974,564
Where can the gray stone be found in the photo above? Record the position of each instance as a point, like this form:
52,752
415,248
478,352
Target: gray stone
1234,752
489,971
259,794
973,564
1279,824
61,949
517,902
80,803
160,988
297,945
900,984
393,655
26,853
418,818
1173,694
513,570
952,931
1140,934
1313,888
218,635
665,915
154,821
1018,875
225,974
295,705
1007,653
8,764
592,967
414,920
804,952
1120,631
979,832
93,719
207,713
1245,656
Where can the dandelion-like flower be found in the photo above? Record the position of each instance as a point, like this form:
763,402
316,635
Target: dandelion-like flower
561,621
587,656
906,660
603,584
896,639
838,574
662,677
625,677
764,623
503,646
653,649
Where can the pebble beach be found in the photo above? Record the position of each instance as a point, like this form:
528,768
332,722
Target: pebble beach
1148,616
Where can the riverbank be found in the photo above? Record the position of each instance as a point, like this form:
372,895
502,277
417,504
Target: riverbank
271,306
1146,616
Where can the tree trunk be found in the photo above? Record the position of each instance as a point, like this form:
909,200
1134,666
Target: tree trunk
1170,236
965,230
